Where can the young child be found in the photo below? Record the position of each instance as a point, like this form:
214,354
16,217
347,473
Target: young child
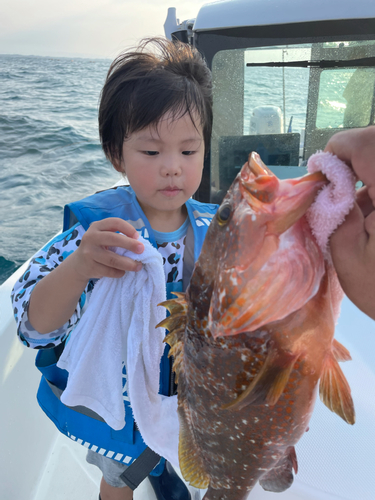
155,123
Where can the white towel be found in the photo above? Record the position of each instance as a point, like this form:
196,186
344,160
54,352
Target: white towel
119,324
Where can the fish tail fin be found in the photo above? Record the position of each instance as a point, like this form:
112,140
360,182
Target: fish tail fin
280,478
334,389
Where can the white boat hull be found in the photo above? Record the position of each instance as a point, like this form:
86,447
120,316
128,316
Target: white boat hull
38,463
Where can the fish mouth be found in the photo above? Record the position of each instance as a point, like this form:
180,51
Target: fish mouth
286,201
296,197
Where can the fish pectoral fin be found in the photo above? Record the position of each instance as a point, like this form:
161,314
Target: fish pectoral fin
191,464
280,478
269,384
334,390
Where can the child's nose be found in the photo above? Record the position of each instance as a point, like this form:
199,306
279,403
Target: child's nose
171,167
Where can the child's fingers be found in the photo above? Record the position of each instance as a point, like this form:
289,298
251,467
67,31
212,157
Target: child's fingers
112,260
114,232
115,224
118,270
109,239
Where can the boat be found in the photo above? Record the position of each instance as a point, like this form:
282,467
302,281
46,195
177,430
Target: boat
288,74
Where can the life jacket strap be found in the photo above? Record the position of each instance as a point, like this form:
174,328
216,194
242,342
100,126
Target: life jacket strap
140,468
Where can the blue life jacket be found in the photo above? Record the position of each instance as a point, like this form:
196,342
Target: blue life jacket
79,423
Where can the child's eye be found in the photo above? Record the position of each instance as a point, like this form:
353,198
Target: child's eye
188,153
151,153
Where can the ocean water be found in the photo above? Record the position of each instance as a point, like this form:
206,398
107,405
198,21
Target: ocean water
50,152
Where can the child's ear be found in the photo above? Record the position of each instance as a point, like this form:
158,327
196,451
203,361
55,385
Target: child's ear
118,165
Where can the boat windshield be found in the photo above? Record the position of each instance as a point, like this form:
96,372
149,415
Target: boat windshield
285,102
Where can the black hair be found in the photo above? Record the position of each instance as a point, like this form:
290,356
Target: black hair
144,84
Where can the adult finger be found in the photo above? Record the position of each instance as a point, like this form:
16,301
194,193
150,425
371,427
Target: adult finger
356,148
349,239
364,201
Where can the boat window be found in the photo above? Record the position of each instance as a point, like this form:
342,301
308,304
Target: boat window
285,102
260,105
345,98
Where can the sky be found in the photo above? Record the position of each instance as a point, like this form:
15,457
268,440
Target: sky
84,28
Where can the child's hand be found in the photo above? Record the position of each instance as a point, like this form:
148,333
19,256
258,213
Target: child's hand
93,259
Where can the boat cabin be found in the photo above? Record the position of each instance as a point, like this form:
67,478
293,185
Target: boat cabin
287,75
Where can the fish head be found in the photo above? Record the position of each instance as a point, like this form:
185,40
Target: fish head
260,249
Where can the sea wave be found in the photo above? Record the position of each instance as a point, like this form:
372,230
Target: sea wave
50,152
7,268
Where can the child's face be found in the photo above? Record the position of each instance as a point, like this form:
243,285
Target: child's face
164,167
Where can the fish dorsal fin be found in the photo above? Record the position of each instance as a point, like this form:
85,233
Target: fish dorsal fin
334,389
175,323
191,464
269,384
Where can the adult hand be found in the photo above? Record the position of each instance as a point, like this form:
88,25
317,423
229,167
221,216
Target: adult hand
353,243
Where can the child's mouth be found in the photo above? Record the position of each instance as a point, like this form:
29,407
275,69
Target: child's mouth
170,191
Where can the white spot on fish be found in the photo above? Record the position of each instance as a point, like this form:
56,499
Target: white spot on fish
253,217
233,280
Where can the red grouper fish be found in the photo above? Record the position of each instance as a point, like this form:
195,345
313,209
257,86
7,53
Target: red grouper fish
252,338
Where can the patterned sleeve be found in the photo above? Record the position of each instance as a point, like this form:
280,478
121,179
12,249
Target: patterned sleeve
42,263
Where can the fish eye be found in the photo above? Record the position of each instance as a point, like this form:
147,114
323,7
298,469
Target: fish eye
224,213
